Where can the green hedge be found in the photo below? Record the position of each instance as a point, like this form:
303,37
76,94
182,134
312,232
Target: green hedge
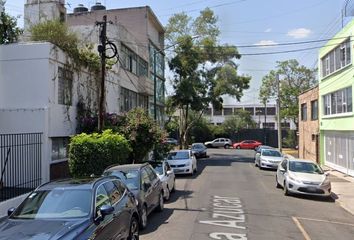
92,153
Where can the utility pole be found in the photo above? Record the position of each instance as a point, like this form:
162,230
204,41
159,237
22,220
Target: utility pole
155,85
265,123
278,114
102,51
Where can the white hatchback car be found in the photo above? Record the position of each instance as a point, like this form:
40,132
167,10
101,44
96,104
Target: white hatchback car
302,177
182,162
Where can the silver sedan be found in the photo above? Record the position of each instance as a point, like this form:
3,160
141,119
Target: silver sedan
269,158
166,175
302,177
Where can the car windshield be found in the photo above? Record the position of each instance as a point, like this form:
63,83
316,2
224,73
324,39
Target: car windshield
158,167
197,146
305,167
129,177
54,204
271,153
178,155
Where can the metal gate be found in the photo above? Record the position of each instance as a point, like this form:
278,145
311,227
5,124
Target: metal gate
20,163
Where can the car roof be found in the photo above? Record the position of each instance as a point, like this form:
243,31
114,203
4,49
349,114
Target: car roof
269,149
135,166
199,143
182,150
74,183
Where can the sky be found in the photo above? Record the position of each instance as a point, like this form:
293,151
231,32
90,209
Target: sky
246,23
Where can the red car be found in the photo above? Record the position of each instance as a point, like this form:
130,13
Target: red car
246,144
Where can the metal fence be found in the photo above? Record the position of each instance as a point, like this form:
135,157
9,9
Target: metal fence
20,164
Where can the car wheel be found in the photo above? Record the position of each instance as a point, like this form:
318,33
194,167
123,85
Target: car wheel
174,186
167,195
277,183
160,206
143,217
255,163
227,146
285,188
238,147
134,229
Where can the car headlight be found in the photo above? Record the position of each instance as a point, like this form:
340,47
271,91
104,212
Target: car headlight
326,182
294,179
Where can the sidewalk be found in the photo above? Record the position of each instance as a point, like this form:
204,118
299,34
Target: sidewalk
342,184
342,188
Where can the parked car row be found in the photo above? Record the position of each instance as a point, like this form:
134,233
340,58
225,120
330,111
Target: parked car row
227,143
114,206
294,176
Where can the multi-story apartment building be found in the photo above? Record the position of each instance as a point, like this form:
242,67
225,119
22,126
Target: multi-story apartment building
336,116
308,125
264,116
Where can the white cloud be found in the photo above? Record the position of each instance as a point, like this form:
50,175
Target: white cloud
266,43
299,33
268,30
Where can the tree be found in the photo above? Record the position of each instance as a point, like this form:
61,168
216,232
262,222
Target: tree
203,70
242,119
9,32
294,79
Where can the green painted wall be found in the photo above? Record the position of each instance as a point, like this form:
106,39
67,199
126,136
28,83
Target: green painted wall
338,80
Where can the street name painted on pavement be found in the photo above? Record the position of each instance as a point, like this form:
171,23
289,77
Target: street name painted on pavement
229,213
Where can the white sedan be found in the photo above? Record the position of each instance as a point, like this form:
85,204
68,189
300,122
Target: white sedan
182,162
302,177
268,158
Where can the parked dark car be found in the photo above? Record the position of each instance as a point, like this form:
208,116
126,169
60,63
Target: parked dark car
199,150
101,208
142,180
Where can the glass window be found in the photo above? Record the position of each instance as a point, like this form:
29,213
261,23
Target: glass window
207,111
65,85
178,155
314,110
55,203
271,111
102,199
260,111
151,173
250,110
217,112
145,179
60,148
158,167
338,102
129,177
336,59
305,167
303,112
113,193
227,111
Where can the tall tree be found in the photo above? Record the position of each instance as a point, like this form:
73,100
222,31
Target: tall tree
294,79
242,119
9,32
203,70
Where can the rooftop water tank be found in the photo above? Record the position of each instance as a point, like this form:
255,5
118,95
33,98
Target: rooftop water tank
80,8
98,6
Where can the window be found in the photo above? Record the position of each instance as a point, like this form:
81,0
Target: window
260,111
271,111
314,110
269,125
128,99
65,85
336,59
285,125
338,102
207,111
250,110
156,54
133,63
227,111
113,193
303,112
102,199
60,148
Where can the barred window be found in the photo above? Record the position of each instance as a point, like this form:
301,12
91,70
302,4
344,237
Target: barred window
65,85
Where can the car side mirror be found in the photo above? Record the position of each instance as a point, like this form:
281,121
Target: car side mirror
10,211
281,169
106,210
169,172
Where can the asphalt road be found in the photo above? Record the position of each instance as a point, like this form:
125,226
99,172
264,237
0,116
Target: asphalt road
231,199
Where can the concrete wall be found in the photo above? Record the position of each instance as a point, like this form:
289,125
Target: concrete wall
309,129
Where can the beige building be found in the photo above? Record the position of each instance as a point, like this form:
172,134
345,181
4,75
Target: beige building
309,125
139,37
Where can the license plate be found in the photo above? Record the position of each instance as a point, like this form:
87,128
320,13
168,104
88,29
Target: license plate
312,189
177,170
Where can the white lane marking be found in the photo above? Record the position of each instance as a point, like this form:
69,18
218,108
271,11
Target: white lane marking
326,221
302,230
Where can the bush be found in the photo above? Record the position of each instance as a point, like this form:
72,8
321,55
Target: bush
92,153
